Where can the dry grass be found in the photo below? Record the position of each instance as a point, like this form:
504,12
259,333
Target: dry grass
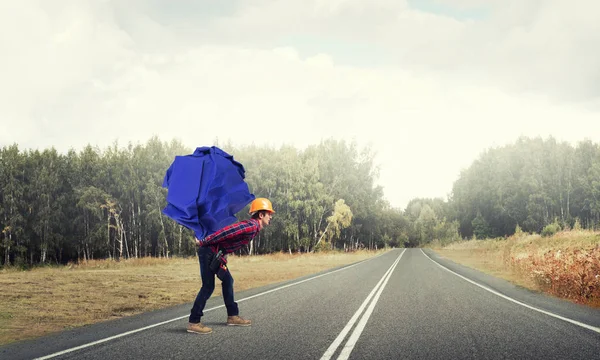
565,265
45,300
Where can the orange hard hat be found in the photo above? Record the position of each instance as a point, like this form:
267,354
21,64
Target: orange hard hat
261,204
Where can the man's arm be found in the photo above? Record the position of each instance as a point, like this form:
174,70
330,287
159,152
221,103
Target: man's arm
227,233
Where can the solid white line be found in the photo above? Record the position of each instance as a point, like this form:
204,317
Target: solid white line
345,354
108,339
590,327
186,316
338,340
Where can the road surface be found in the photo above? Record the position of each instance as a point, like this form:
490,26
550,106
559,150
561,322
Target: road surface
404,304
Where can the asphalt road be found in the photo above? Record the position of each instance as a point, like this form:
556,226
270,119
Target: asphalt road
405,304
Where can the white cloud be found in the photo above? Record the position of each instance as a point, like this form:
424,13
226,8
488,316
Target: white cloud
91,72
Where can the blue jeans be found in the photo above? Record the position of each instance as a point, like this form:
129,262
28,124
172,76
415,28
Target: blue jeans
208,286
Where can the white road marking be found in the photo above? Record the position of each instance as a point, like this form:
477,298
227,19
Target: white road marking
345,354
590,327
186,316
338,340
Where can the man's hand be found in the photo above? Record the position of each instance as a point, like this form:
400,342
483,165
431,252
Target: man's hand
198,242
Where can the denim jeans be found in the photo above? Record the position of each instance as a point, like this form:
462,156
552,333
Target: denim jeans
208,286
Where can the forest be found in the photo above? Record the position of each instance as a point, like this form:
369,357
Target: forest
107,203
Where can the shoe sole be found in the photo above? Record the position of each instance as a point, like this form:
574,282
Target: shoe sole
239,324
201,333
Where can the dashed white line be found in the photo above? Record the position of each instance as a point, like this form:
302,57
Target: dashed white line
590,327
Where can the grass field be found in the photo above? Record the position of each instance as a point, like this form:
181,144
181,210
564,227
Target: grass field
44,300
566,265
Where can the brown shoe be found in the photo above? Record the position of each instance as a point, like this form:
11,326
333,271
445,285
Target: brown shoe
198,328
238,321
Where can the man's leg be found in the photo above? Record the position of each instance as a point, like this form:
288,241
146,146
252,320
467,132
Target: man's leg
232,307
208,286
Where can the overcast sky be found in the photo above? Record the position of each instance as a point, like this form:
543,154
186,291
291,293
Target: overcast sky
429,84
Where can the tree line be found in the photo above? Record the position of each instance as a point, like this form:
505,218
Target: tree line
531,184
96,204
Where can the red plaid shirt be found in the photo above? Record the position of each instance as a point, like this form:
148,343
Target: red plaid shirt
232,237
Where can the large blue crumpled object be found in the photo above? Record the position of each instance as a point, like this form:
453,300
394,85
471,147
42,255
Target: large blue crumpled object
205,190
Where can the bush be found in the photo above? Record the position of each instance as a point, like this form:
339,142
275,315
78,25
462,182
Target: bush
577,225
571,274
518,231
323,246
550,229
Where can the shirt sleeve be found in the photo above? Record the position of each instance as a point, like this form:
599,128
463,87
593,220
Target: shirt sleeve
228,233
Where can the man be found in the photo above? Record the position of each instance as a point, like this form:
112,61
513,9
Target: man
228,240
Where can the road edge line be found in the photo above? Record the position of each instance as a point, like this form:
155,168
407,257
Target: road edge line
589,327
